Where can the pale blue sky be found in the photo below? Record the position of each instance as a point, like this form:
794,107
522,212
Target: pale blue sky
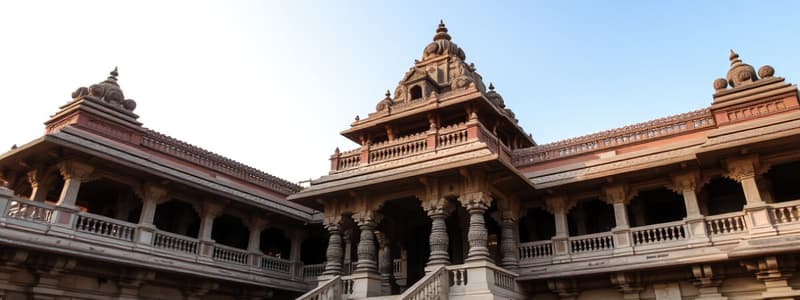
272,83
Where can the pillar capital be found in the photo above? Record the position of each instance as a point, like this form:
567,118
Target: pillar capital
742,168
38,176
617,193
74,169
685,181
475,200
438,208
212,208
367,219
154,192
257,223
558,203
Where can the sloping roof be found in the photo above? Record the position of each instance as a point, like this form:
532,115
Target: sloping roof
179,149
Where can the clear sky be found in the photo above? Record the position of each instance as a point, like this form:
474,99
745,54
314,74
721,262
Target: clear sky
271,84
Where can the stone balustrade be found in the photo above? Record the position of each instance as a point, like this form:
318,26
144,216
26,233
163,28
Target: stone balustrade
434,285
418,143
30,211
664,238
659,233
103,226
330,290
726,224
536,250
229,254
603,241
175,242
117,239
786,212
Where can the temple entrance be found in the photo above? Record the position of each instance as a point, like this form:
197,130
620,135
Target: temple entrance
406,227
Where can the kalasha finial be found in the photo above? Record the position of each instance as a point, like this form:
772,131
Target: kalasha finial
441,32
734,57
491,86
388,95
358,118
114,74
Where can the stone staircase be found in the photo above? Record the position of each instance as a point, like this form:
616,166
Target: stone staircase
474,280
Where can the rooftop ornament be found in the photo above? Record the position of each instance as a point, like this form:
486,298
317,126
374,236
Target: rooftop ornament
741,74
107,92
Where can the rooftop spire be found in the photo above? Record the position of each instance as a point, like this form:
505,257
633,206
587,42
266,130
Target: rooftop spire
113,74
734,58
441,32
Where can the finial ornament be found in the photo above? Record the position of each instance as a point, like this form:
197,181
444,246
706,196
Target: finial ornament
107,92
491,86
388,94
114,74
441,32
740,73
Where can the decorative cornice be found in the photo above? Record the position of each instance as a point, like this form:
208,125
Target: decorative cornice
180,149
614,138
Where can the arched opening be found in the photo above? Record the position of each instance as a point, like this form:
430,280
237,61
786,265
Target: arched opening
721,195
109,199
785,181
416,92
177,217
407,228
275,243
230,231
590,216
656,206
536,225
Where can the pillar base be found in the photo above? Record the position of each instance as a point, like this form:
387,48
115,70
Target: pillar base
366,284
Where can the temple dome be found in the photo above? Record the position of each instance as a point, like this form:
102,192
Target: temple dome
442,45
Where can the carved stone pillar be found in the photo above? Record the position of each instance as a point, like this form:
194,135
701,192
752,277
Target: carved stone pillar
347,237
619,195
508,244
629,284
367,250
707,280
151,195
774,272
333,256
476,204
385,263
366,280
297,238
687,184
566,289
40,183
439,241
208,213
255,225
744,171
74,173
559,205
509,210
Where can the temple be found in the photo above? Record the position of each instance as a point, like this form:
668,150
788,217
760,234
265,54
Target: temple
444,196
